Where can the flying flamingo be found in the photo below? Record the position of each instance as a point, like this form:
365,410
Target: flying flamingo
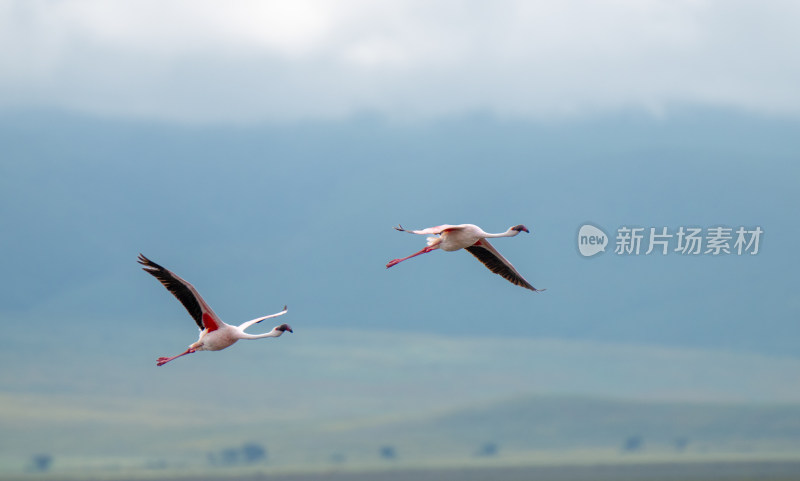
215,335
473,239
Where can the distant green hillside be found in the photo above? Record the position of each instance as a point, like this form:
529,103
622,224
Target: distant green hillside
324,398
526,431
553,423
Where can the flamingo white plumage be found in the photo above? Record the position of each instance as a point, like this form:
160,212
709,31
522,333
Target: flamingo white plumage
214,334
474,240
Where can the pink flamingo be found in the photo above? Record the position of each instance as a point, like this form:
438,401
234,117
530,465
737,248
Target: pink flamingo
215,335
474,240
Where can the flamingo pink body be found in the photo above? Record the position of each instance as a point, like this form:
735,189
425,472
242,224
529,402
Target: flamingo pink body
474,240
215,335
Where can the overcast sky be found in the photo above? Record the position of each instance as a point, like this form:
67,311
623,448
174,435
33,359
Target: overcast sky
208,60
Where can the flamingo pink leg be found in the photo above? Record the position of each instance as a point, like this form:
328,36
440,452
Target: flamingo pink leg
163,360
423,251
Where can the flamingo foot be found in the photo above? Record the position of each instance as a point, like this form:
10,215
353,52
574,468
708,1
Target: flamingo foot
423,251
163,360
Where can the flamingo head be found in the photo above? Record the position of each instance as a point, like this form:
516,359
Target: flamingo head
284,327
520,228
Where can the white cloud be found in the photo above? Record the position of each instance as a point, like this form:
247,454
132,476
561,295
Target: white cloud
248,60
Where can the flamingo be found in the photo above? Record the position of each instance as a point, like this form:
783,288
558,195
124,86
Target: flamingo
215,335
474,240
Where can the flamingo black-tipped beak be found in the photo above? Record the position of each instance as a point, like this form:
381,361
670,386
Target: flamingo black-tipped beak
526,230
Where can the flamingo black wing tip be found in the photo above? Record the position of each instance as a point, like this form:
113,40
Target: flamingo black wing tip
147,262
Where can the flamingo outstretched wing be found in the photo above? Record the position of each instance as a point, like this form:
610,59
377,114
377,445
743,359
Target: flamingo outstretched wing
488,255
247,324
431,230
184,292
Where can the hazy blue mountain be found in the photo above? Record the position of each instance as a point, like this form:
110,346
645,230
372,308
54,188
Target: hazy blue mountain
301,214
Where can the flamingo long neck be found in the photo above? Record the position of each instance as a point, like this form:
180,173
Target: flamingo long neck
509,233
272,333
